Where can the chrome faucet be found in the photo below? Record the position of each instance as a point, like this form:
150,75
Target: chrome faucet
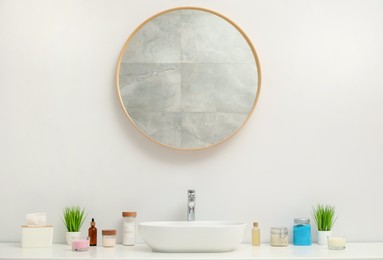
191,205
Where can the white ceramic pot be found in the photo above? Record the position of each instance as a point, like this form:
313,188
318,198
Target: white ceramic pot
72,236
322,237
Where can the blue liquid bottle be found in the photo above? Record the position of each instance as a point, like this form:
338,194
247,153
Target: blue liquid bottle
302,232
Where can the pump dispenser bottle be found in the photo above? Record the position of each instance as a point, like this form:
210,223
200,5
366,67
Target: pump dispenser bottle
256,235
92,233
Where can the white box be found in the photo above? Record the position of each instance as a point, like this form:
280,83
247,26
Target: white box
36,236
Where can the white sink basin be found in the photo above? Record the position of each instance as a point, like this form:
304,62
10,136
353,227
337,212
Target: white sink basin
193,236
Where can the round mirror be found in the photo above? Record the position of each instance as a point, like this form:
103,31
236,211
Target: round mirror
188,78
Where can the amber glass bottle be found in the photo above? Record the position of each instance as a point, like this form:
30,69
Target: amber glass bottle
92,233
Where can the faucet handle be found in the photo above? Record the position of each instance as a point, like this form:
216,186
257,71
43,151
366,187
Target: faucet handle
191,193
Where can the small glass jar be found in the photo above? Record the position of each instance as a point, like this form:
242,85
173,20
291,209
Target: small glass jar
279,236
129,228
336,243
80,245
109,238
302,232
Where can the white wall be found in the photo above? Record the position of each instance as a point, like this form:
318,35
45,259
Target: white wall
316,134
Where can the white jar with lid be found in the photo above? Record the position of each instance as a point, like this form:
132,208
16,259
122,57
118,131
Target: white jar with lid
129,228
109,237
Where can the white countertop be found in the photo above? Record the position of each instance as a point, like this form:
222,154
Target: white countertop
353,251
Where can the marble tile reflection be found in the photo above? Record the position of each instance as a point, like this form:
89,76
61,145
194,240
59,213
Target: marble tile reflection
150,87
218,87
204,129
207,38
158,41
164,127
187,130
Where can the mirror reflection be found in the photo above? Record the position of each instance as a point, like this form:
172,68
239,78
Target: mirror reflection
188,78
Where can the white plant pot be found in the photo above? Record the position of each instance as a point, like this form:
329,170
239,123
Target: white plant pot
322,237
72,236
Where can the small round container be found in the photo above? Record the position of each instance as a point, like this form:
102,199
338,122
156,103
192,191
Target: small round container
279,236
80,245
302,232
109,237
336,243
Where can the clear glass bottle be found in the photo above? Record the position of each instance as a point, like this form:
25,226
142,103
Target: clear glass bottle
302,232
109,238
279,236
256,235
129,228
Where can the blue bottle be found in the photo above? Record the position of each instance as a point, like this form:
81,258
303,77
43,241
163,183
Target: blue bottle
302,232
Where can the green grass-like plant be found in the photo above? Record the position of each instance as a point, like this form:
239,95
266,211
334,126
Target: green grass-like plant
324,217
73,218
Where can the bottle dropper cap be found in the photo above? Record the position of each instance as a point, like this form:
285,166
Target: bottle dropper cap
255,224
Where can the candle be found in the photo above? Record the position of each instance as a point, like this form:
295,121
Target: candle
336,243
80,245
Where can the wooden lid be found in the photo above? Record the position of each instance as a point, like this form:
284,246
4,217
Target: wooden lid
109,232
33,226
129,214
